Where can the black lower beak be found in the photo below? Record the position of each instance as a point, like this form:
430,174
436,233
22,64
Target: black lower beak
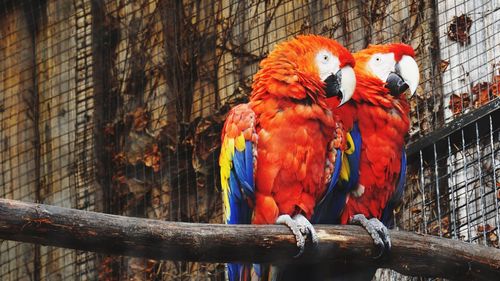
396,84
332,85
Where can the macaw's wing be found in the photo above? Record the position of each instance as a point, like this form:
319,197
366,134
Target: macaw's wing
349,174
237,162
345,176
388,213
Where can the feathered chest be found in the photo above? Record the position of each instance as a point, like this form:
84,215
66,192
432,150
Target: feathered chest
383,126
293,139
383,132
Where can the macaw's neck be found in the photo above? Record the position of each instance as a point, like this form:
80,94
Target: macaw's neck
282,81
372,90
294,110
379,112
386,123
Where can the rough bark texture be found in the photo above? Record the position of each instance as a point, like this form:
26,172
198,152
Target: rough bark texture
118,235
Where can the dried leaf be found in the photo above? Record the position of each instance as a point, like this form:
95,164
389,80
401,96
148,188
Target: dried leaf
495,86
136,186
119,158
444,65
458,103
168,137
109,130
415,210
435,227
481,92
459,29
487,227
204,137
119,178
106,269
136,146
140,119
120,186
141,269
160,200
152,158
492,238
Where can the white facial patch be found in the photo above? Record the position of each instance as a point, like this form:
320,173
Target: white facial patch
382,65
327,64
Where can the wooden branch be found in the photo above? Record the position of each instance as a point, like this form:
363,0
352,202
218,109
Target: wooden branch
412,254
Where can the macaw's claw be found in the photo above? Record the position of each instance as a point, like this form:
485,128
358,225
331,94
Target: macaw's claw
306,228
301,228
377,231
295,228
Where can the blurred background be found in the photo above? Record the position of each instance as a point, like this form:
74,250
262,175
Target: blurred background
116,106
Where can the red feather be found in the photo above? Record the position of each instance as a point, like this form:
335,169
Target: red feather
383,123
294,127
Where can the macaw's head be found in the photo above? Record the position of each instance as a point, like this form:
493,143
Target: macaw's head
307,69
384,73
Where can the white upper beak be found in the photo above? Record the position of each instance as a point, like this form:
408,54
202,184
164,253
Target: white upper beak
348,83
408,69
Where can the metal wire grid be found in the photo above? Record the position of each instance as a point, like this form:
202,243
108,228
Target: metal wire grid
234,36
11,127
353,24
44,159
150,95
453,185
469,51
453,189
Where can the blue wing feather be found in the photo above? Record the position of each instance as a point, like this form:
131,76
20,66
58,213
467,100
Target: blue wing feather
241,185
243,167
330,207
240,211
323,212
388,213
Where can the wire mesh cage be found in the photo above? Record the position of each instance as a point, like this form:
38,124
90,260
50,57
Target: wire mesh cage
117,107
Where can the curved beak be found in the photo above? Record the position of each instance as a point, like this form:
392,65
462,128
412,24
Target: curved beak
406,76
408,69
396,84
341,84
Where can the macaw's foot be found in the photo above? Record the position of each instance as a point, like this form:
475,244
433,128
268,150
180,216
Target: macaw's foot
377,231
301,228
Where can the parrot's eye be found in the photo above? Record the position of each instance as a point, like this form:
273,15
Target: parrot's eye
382,64
326,63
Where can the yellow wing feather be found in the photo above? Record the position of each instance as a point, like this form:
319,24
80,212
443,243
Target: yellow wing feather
345,170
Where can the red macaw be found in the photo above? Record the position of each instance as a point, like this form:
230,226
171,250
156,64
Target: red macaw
280,152
379,113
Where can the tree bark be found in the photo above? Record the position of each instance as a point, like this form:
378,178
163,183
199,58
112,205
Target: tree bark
411,254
